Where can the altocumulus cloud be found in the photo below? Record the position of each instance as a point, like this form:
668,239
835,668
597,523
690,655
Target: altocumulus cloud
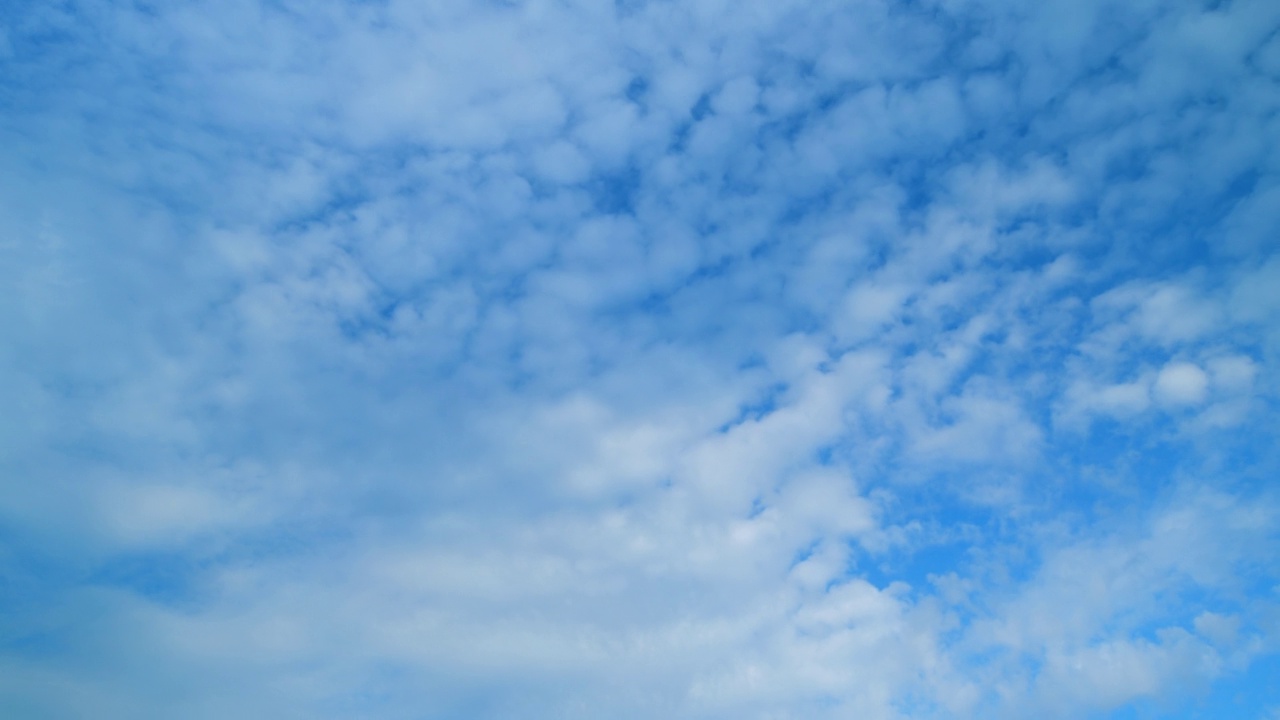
639,359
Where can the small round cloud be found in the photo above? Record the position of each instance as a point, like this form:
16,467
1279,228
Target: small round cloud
1181,383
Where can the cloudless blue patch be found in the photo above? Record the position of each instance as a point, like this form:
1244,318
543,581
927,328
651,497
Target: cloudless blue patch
615,194
701,108
825,455
166,578
638,89
915,565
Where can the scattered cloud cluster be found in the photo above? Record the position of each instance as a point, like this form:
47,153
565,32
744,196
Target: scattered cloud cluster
635,359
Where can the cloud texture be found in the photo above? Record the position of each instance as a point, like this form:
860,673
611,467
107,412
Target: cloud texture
639,359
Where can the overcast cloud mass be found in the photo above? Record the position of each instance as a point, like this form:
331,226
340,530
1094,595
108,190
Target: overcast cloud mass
639,359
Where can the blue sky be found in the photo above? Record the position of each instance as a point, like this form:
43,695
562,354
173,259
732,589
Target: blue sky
639,359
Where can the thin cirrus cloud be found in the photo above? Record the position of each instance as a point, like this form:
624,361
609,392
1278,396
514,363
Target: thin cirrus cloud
639,359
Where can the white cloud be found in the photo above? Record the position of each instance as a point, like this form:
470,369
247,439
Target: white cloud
1123,401
166,516
768,359
1233,374
1181,383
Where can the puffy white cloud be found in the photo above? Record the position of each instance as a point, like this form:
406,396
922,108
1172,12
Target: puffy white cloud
1181,383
